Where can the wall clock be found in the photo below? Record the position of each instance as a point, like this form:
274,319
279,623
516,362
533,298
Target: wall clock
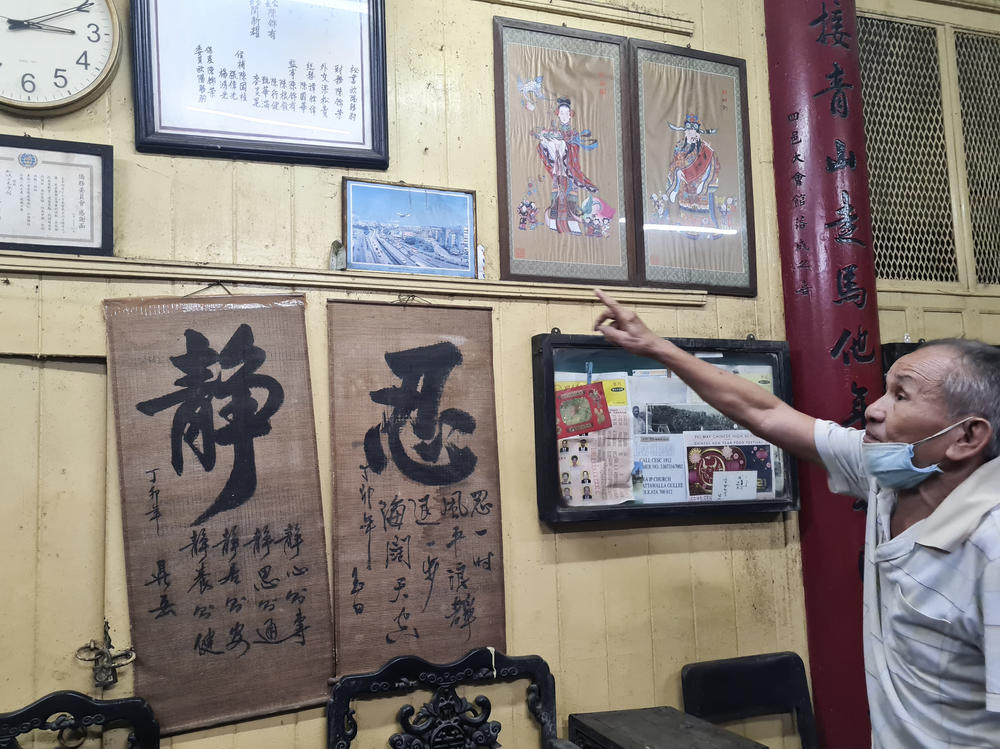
56,57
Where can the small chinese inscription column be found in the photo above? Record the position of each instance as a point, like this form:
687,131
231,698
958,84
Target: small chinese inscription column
831,316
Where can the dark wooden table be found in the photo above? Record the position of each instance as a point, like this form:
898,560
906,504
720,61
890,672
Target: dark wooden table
651,728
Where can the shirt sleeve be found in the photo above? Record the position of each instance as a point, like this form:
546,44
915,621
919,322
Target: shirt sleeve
840,450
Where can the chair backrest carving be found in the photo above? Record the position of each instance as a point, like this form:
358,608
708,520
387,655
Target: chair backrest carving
75,712
447,721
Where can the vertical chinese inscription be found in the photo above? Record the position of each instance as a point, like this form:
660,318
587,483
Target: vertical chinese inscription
225,549
823,204
418,547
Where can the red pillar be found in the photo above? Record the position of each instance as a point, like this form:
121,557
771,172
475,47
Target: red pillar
831,319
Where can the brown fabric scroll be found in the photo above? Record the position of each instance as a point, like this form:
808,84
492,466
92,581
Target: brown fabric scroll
418,561
224,544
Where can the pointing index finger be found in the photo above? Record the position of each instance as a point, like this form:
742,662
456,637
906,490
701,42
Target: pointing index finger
612,312
608,301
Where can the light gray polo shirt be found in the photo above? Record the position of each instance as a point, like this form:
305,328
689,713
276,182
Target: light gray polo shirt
931,606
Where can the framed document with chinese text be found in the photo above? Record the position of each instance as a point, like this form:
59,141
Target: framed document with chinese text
563,152
55,196
300,82
693,191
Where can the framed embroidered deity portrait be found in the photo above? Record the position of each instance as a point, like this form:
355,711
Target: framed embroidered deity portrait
563,152
693,193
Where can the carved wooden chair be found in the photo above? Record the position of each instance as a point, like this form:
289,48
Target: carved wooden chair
70,714
447,721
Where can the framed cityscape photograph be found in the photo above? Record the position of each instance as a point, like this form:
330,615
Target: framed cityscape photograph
409,229
693,192
563,153
301,82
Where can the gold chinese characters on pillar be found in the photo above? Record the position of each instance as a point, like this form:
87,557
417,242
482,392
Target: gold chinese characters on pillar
224,545
417,563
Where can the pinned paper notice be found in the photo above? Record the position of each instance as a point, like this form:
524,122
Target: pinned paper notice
734,485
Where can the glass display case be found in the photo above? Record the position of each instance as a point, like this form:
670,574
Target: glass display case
619,437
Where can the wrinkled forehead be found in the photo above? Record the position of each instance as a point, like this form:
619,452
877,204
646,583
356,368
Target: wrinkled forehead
924,370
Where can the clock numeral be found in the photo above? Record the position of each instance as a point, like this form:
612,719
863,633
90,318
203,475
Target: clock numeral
95,34
28,82
82,60
58,76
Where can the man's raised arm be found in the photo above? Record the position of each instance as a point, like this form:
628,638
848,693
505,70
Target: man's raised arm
749,405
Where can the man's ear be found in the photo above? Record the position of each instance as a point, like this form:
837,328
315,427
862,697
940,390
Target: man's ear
976,436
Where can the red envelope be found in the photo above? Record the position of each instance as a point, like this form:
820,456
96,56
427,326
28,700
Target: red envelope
581,409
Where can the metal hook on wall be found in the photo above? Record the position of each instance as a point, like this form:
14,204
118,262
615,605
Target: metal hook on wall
405,299
210,286
106,660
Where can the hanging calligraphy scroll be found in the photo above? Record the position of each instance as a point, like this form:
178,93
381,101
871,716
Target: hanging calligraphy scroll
418,564
224,544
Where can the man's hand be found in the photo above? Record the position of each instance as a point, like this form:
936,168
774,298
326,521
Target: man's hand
744,402
625,328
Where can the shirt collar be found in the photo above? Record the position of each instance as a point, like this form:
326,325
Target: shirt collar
954,520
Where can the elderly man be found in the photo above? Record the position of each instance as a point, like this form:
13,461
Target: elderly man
927,466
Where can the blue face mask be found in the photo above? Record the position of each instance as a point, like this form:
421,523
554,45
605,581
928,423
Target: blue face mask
891,463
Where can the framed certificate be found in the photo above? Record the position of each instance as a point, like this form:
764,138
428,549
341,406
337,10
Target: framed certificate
55,196
300,82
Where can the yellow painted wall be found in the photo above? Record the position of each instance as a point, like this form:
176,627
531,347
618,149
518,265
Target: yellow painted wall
616,613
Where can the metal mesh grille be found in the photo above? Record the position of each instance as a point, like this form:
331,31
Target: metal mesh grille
907,162
978,59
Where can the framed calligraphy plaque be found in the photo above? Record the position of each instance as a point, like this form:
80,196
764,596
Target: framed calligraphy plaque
418,563
55,196
225,551
249,79
694,191
665,452
563,154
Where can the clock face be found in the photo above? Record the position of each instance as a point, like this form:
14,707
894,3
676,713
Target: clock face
55,55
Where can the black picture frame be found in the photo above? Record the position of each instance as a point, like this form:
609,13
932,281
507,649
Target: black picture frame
588,242
151,136
100,168
552,350
692,232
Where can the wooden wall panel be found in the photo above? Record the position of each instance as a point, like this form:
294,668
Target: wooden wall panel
421,116
616,612
70,535
68,322
263,213
203,188
143,201
19,314
19,382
